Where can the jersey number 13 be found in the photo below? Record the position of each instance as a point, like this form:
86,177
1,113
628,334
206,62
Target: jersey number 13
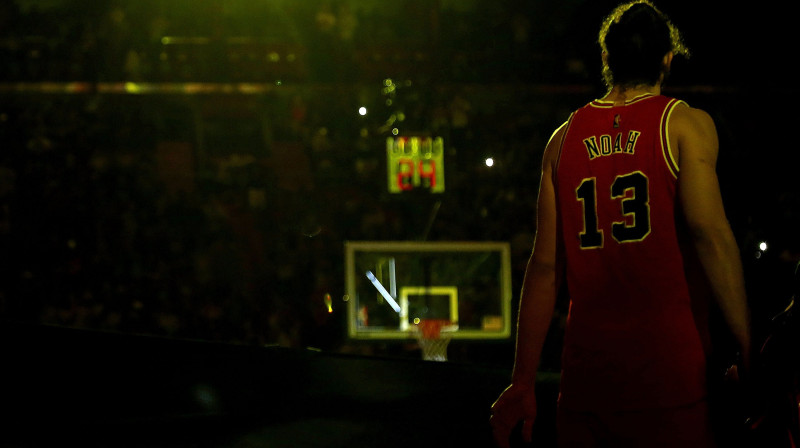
631,191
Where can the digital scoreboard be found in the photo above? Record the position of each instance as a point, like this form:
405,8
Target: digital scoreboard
415,163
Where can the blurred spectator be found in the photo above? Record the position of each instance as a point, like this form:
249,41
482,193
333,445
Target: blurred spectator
94,232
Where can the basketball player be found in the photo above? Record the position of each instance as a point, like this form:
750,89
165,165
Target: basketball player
628,185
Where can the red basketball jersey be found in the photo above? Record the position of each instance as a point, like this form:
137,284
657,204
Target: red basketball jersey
631,340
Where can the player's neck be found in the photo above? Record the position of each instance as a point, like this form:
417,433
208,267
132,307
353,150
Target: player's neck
621,94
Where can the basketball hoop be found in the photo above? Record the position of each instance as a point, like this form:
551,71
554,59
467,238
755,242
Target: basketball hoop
433,336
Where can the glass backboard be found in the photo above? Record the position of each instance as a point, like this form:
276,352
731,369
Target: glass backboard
391,286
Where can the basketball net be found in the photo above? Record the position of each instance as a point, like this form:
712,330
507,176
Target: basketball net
433,336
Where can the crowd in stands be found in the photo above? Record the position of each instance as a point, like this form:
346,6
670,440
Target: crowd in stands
223,217
325,41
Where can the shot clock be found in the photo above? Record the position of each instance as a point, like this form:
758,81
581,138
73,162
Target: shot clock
415,163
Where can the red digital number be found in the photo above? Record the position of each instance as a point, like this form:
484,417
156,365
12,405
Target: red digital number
430,175
405,175
407,179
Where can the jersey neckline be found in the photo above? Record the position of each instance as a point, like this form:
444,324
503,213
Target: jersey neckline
609,104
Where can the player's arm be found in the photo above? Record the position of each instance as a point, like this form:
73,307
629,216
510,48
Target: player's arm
696,137
542,274
537,302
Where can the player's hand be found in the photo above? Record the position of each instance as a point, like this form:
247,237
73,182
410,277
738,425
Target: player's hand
516,403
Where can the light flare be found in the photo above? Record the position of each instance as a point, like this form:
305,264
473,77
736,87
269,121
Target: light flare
389,299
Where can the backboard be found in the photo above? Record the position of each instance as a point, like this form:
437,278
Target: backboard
391,286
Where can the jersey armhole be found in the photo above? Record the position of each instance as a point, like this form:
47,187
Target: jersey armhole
565,126
667,150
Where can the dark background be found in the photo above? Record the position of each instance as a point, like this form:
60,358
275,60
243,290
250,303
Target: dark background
178,179
191,169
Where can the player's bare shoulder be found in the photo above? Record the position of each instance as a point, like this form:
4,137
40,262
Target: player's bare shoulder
692,131
692,118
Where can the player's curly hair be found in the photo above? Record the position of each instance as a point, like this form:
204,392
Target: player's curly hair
635,37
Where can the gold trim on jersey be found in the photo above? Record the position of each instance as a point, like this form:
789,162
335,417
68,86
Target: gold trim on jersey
603,104
666,147
566,125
